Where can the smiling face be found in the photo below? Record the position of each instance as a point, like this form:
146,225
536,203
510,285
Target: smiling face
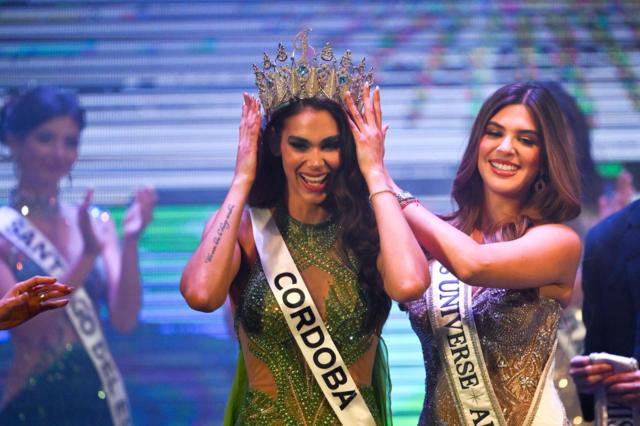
509,155
310,148
46,153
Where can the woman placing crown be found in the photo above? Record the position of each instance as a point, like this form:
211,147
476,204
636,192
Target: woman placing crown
503,266
311,266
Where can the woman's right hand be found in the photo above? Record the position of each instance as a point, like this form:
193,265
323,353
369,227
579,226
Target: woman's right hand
247,157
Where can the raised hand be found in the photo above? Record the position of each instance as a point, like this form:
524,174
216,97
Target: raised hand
140,213
93,244
247,157
368,132
28,298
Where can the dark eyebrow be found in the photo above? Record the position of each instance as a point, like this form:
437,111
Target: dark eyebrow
335,138
529,132
331,139
297,139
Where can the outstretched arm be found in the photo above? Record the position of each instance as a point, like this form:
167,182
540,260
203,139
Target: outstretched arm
208,275
545,255
401,263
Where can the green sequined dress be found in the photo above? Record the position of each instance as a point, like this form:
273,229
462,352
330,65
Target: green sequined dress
298,399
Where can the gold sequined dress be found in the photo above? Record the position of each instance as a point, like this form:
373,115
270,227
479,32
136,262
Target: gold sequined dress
517,331
279,388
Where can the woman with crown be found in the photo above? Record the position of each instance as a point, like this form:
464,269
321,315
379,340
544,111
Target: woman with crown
502,267
62,370
311,263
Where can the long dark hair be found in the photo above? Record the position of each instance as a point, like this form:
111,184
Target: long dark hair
347,201
559,201
25,111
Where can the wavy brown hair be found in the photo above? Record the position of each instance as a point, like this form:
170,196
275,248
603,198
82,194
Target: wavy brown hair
347,201
559,201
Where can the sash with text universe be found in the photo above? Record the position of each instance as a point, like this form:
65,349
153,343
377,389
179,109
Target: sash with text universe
451,317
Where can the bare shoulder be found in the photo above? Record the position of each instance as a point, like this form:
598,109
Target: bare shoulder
556,234
562,244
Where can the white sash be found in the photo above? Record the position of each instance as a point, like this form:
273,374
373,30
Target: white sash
609,413
305,323
30,241
451,317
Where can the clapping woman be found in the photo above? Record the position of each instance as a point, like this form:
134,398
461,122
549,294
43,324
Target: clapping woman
62,369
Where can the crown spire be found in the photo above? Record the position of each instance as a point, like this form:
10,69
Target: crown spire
304,74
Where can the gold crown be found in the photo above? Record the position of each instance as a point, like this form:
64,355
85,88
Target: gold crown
308,75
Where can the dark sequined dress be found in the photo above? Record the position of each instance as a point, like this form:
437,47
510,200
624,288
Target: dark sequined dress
62,386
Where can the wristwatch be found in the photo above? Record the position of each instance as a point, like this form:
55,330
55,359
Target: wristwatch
405,198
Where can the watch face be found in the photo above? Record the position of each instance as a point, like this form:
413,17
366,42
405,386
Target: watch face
404,195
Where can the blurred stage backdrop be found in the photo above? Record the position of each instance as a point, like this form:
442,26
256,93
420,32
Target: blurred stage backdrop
162,83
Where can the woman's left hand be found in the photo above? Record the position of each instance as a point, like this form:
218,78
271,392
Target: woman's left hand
28,298
368,132
140,213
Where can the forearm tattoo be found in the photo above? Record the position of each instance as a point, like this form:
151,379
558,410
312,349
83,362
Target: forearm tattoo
220,231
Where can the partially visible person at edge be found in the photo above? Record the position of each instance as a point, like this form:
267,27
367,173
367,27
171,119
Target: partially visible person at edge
322,183
596,202
28,298
62,368
596,205
611,313
503,266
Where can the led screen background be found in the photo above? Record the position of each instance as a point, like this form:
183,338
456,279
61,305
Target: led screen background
162,84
